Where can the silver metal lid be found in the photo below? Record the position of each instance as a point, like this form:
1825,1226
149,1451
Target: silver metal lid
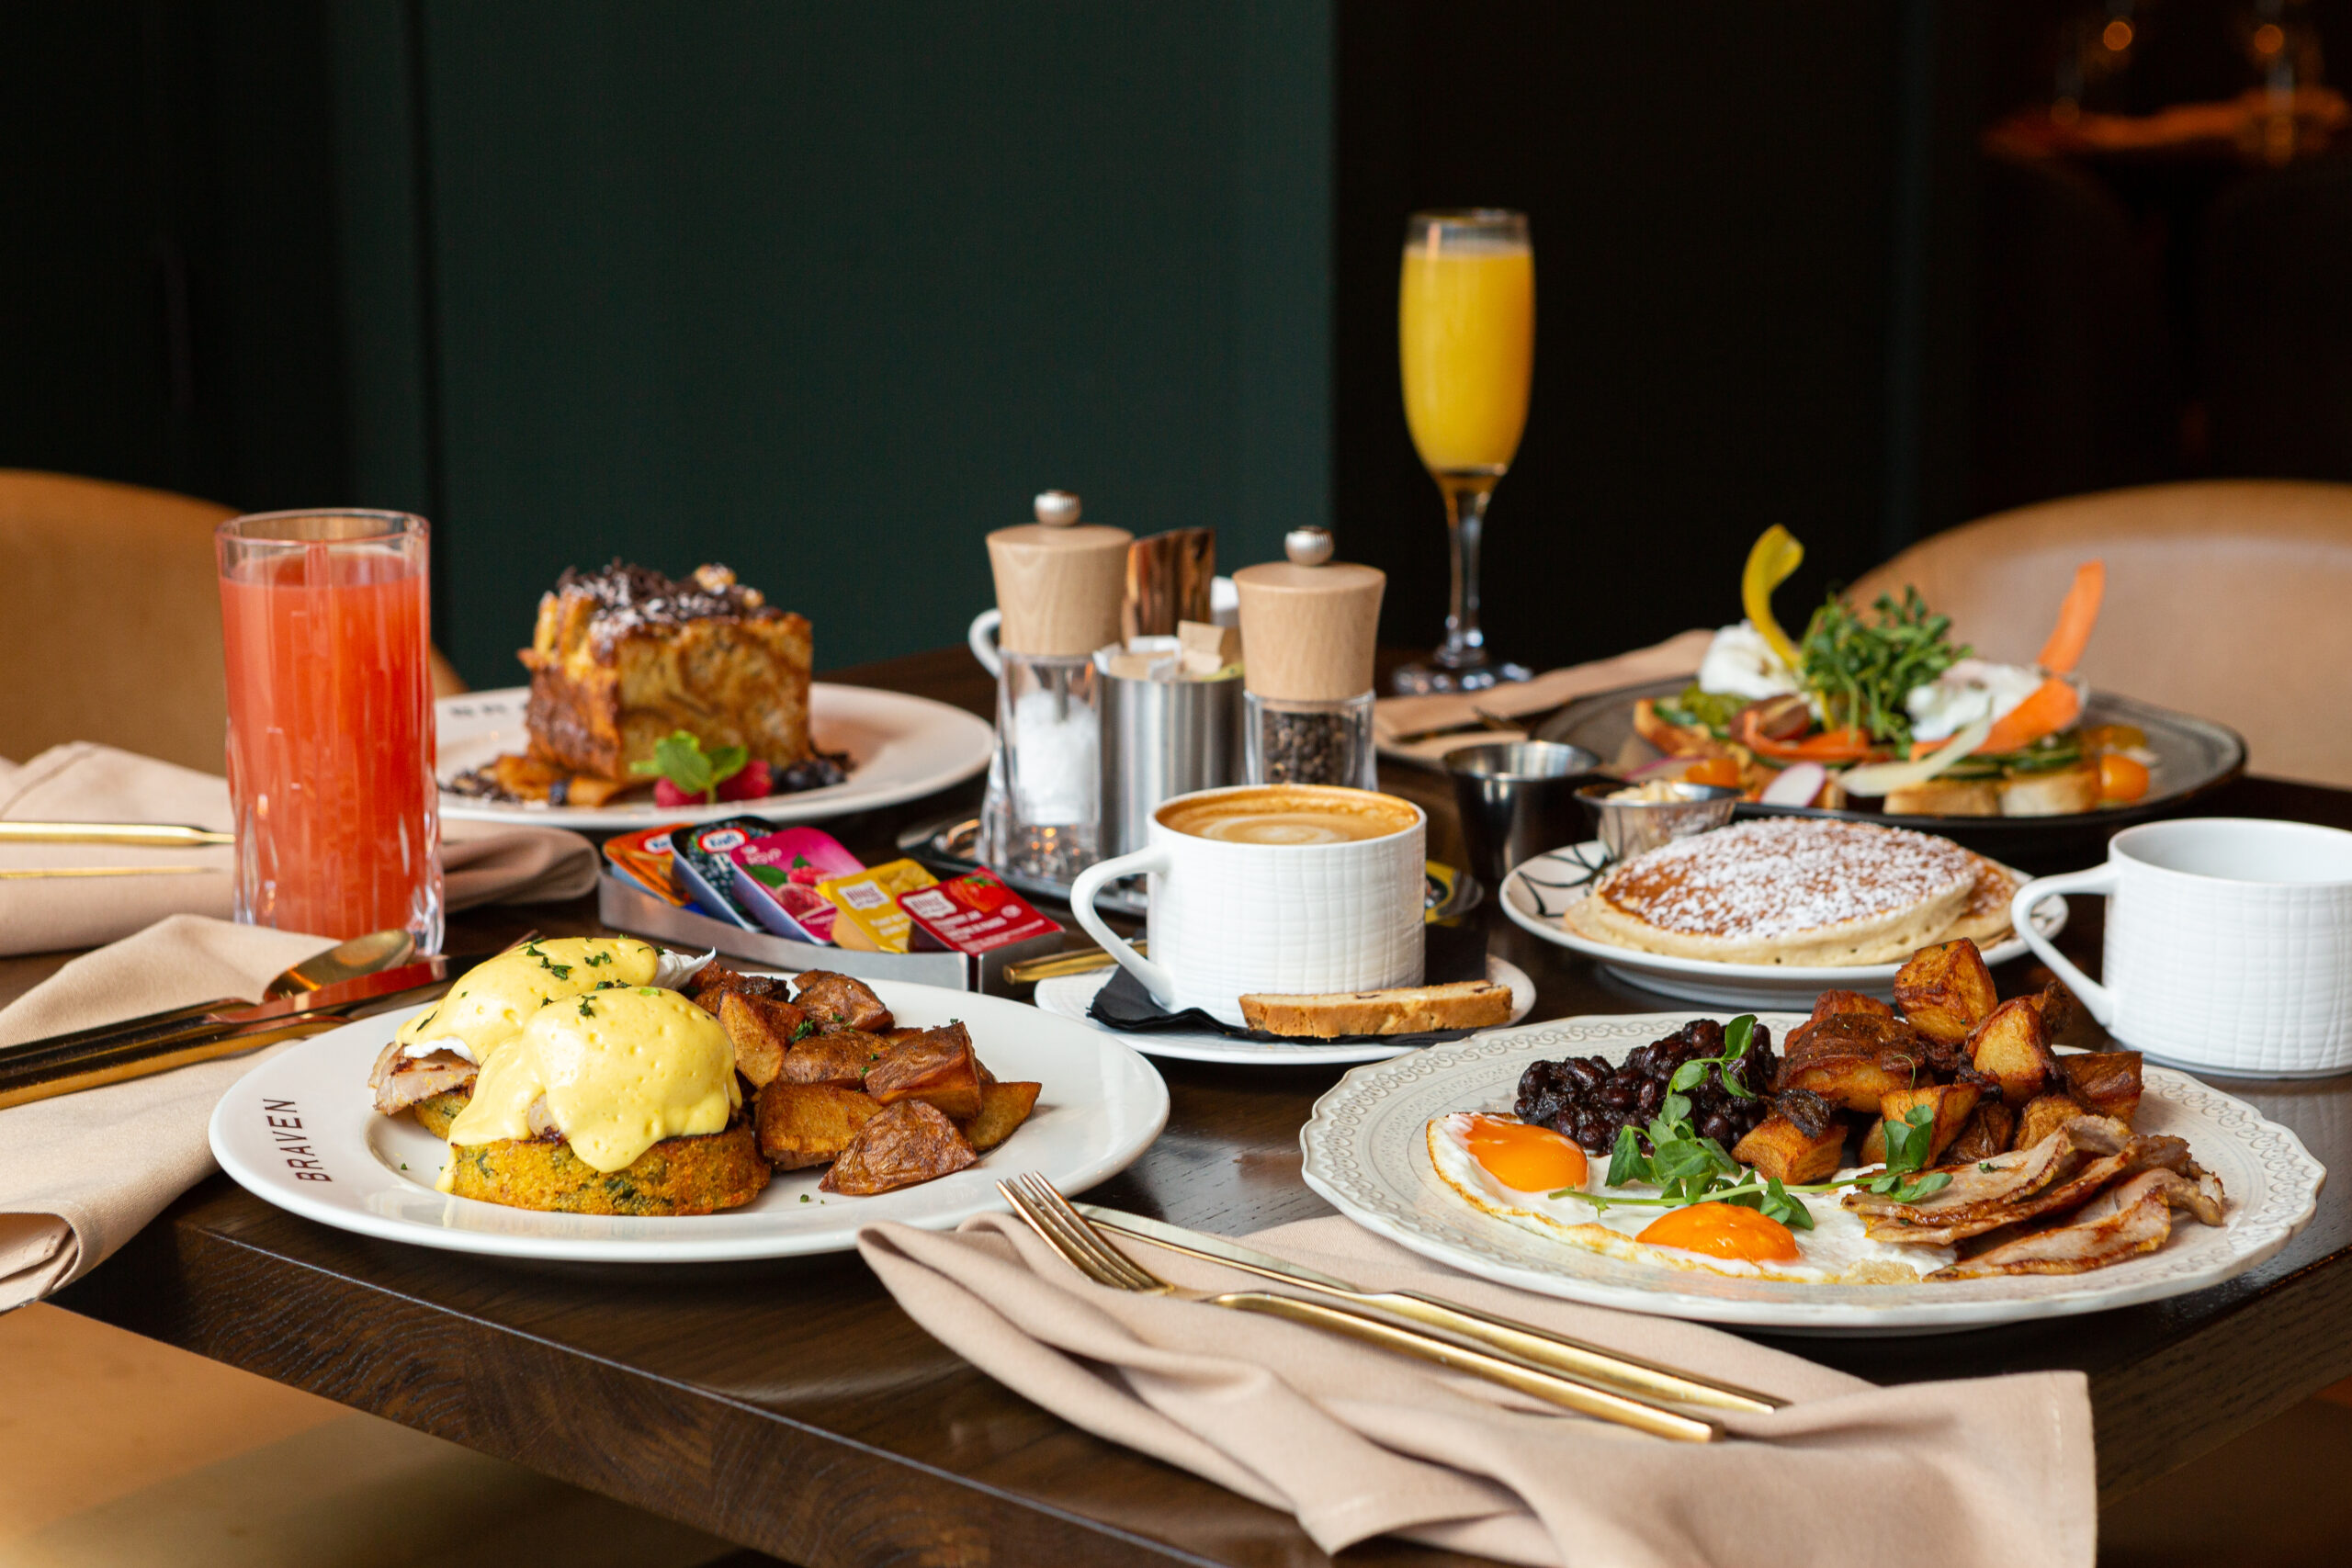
1308,546
1056,508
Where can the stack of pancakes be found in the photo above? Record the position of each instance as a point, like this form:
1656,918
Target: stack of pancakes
1799,891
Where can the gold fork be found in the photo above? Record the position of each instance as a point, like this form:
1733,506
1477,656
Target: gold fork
1079,1244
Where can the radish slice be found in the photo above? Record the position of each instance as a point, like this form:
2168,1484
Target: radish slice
1886,778
1799,784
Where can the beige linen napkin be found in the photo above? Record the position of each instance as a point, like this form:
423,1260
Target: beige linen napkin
80,1173
481,862
1357,1443
1392,717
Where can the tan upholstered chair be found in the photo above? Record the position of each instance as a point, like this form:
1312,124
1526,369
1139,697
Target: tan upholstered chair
2231,599
110,620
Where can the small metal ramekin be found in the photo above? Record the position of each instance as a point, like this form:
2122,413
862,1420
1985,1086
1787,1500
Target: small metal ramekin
1628,827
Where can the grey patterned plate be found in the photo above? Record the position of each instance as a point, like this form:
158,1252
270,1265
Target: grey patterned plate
1366,1154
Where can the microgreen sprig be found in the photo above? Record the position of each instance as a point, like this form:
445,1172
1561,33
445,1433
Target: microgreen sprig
1687,1167
1863,670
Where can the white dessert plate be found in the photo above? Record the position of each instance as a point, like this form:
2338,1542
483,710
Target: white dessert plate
1539,891
1367,1153
1068,996
900,748
301,1131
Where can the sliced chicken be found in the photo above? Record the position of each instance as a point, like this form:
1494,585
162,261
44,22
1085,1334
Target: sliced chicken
400,1081
2130,1219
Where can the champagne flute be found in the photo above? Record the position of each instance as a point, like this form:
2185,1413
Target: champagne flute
1465,329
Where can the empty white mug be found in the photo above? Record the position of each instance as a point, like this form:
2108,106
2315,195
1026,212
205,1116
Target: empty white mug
1230,919
2229,944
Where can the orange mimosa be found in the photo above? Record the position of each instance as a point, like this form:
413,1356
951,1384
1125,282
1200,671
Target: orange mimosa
1466,338
1465,344
324,621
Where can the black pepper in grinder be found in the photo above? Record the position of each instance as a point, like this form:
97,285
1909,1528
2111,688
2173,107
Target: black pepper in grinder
1310,625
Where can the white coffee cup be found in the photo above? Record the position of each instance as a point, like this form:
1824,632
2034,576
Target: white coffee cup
2229,944
1231,918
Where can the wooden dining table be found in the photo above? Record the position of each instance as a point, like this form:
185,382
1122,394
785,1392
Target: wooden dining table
791,1407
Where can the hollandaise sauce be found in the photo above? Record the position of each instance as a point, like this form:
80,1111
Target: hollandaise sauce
492,1002
619,1071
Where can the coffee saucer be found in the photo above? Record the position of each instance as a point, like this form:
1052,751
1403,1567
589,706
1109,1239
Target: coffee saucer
1069,996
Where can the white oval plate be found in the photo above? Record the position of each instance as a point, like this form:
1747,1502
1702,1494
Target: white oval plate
301,1131
901,747
1538,910
1366,1153
1068,996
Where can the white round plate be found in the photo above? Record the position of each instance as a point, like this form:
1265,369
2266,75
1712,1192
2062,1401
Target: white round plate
1538,909
301,1131
1366,1152
900,748
1068,996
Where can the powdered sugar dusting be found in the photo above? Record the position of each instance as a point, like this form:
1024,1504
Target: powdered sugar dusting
1782,877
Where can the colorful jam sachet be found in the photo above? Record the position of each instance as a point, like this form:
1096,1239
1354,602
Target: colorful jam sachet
869,917
777,876
972,913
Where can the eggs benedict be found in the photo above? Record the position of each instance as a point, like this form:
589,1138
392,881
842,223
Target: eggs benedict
429,1067
615,1101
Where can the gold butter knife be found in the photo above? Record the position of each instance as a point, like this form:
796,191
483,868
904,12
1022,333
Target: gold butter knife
147,835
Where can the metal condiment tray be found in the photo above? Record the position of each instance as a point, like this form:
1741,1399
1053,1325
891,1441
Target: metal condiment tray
629,907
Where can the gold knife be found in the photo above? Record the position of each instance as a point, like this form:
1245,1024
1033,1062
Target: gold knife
146,835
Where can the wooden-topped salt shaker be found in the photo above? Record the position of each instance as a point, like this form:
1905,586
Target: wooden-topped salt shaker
1059,582
1308,628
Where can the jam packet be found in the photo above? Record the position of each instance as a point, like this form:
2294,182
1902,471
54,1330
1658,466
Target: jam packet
701,869
971,913
643,858
870,918
777,879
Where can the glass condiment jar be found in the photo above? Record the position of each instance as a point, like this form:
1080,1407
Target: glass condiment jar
1309,624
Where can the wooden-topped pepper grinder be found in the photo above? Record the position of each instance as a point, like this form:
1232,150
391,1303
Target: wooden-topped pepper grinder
1310,625
1060,584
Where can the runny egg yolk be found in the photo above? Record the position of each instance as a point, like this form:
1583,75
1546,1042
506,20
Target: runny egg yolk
1524,1157
1723,1230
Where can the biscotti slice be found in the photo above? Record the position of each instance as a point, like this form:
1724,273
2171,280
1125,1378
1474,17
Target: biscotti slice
1405,1009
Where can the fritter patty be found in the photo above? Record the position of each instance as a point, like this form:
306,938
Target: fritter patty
676,1176
436,1112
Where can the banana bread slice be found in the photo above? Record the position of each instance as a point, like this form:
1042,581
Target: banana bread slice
623,656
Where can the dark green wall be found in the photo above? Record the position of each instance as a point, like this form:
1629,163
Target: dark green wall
826,291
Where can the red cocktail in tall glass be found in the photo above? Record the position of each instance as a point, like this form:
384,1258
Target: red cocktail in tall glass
326,622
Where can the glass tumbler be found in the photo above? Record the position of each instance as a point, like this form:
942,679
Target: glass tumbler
325,619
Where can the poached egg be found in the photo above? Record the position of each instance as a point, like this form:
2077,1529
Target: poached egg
495,1000
1740,663
615,1072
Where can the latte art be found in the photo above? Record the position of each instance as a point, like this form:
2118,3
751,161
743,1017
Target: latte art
1290,815
1295,828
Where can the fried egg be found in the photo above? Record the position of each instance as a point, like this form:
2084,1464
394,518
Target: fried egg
1484,1160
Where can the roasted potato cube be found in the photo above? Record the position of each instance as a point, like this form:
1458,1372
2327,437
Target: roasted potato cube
1003,1107
838,1002
843,1057
909,1142
809,1124
1802,1140
2106,1082
2044,1115
2008,1046
1858,1083
937,1066
1852,1059
761,1029
1830,1002
1945,990
1985,1134
1953,1103
716,979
